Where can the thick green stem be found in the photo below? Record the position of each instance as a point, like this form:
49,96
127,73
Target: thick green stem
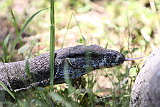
52,41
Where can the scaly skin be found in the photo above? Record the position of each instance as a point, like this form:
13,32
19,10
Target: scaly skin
70,63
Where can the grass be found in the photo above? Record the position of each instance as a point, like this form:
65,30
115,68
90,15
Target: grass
130,24
52,42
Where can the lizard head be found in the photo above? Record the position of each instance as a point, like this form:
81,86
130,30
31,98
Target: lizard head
90,59
80,60
92,56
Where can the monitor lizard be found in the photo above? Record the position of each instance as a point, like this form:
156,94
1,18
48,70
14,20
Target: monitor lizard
72,61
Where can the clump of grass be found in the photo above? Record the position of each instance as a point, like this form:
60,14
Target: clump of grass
17,40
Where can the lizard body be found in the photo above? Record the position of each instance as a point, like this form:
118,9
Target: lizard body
73,62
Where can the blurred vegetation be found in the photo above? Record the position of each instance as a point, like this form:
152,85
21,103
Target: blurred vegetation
130,26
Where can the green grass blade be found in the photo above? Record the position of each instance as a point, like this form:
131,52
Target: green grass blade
27,69
59,98
5,42
83,40
24,26
52,42
5,48
82,37
3,85
66,77
14,21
